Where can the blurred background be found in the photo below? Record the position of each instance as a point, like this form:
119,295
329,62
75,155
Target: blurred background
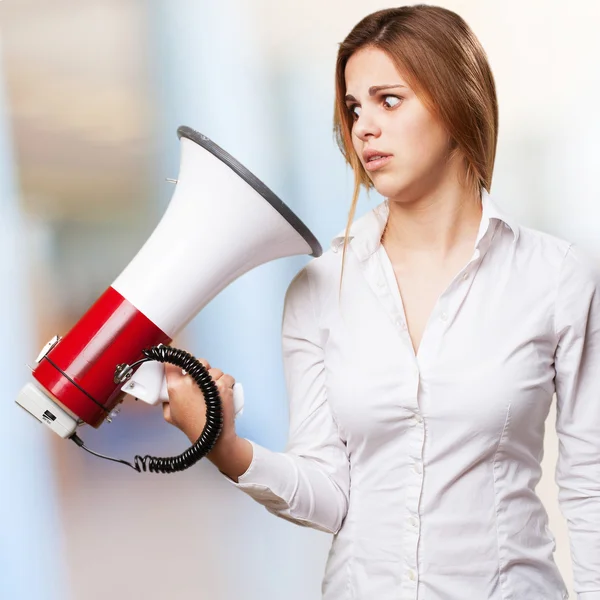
91,94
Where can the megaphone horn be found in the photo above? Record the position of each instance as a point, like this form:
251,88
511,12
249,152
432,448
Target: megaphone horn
78,379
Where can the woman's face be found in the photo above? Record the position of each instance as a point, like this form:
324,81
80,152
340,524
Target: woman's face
395,123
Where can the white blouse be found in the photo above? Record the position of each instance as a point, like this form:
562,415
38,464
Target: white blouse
424,466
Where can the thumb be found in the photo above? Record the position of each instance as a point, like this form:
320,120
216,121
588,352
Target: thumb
171,370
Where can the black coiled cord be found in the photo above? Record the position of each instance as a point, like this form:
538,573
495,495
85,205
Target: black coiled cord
214,415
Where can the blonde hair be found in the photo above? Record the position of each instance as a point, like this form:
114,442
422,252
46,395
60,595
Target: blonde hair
447,68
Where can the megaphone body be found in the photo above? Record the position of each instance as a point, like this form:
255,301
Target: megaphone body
220,223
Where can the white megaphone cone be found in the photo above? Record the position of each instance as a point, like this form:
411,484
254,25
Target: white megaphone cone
186,262
221,222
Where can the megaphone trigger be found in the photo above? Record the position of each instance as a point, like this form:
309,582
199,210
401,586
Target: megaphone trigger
238,399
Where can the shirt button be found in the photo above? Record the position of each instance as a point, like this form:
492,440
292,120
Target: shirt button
411,575
413,521
465,276
417,468
418,418
444,316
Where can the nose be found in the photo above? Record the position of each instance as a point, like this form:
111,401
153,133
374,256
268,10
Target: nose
366,126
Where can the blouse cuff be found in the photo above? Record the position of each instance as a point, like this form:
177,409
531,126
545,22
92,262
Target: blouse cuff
271,478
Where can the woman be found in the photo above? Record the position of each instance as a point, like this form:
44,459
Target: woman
419,390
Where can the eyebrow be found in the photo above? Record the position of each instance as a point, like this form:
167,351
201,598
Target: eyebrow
376,88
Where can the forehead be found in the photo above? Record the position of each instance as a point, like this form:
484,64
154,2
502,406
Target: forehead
371,66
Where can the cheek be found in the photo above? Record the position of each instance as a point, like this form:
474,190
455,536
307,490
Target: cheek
355,142
425,147
358,144
418,137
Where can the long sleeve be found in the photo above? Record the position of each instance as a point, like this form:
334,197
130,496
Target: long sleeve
577,365
307,484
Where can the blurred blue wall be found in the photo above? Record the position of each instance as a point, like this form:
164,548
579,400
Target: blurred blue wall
31,556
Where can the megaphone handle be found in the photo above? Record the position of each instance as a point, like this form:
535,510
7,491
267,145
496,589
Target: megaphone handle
149,384
238,396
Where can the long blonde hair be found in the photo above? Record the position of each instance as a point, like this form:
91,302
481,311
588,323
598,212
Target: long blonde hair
447,68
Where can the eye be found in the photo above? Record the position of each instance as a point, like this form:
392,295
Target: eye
389,102
352,109
395,102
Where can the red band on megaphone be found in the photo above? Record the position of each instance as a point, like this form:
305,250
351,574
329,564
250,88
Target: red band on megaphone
80,369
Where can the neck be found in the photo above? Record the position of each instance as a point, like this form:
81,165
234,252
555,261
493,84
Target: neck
436,225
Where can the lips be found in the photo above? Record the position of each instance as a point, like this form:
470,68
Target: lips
375,159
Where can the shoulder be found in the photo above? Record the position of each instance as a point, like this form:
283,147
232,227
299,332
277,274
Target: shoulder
320,270
317,270
541,248
571,271
308,293
580,275
317,276
556,259
570,259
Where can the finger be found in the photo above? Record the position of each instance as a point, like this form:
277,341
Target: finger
227,380
215,373
174,368
204,363
172,371
169,368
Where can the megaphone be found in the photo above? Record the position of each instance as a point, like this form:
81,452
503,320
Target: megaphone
221,222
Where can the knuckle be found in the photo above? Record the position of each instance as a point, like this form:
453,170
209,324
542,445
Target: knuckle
172,385
224,389
226,381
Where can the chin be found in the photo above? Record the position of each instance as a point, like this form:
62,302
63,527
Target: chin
387,185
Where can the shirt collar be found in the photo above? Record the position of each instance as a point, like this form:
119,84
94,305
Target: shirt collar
365,233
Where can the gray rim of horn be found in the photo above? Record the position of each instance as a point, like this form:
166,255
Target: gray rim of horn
254,182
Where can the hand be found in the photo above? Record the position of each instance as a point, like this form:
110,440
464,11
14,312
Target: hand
186,408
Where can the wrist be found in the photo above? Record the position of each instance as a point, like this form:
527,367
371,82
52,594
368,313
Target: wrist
226,445
232,456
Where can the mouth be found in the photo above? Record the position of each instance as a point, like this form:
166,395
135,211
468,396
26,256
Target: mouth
377,162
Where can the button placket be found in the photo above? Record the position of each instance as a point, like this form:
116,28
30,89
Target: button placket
414,489
391,299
